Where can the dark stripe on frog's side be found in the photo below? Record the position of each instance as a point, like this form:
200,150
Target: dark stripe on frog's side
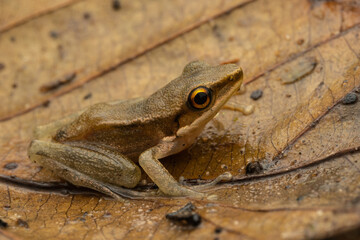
130,140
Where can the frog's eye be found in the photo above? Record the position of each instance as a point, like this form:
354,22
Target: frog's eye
199,98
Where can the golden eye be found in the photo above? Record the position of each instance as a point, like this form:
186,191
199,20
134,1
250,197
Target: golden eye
199,98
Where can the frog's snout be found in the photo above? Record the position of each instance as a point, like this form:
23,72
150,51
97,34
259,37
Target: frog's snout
237,75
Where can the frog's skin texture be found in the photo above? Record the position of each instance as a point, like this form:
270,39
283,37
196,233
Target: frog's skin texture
99,147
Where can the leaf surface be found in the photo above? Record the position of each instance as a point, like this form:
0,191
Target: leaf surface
304,132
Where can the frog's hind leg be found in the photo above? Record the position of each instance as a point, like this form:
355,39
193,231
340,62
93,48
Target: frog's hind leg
100,171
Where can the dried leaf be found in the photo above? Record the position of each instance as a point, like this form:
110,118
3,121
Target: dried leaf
295,159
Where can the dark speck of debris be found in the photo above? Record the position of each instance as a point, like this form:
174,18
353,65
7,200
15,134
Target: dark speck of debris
14,85
350,98
288,95
2,66
107,215
22,223
54,34
300,198
11,166
58,83
12,39
186,216
116,5
88,96
300,41
255,95
253,168
3,224
87,15
218,230
46,103
313,124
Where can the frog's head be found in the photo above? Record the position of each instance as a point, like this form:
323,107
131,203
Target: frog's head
202,90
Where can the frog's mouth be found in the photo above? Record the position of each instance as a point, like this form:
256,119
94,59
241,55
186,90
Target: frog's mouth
223,90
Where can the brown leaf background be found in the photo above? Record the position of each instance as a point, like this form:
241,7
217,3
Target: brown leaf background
304,137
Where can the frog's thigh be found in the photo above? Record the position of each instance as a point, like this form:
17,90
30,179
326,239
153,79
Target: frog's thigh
87,168
162,178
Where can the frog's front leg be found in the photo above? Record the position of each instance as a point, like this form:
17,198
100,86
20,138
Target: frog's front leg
100,169
148,160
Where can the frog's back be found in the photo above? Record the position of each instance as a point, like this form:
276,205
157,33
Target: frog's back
121,126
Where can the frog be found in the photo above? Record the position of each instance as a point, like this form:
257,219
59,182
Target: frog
103,146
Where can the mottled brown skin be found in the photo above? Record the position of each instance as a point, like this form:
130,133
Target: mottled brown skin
97,147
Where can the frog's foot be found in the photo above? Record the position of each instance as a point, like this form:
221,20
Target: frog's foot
83,167
207,186
223,177
244,109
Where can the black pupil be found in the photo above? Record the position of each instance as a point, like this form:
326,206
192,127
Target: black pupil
200,98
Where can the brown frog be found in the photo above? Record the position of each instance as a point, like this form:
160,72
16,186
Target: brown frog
99,146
